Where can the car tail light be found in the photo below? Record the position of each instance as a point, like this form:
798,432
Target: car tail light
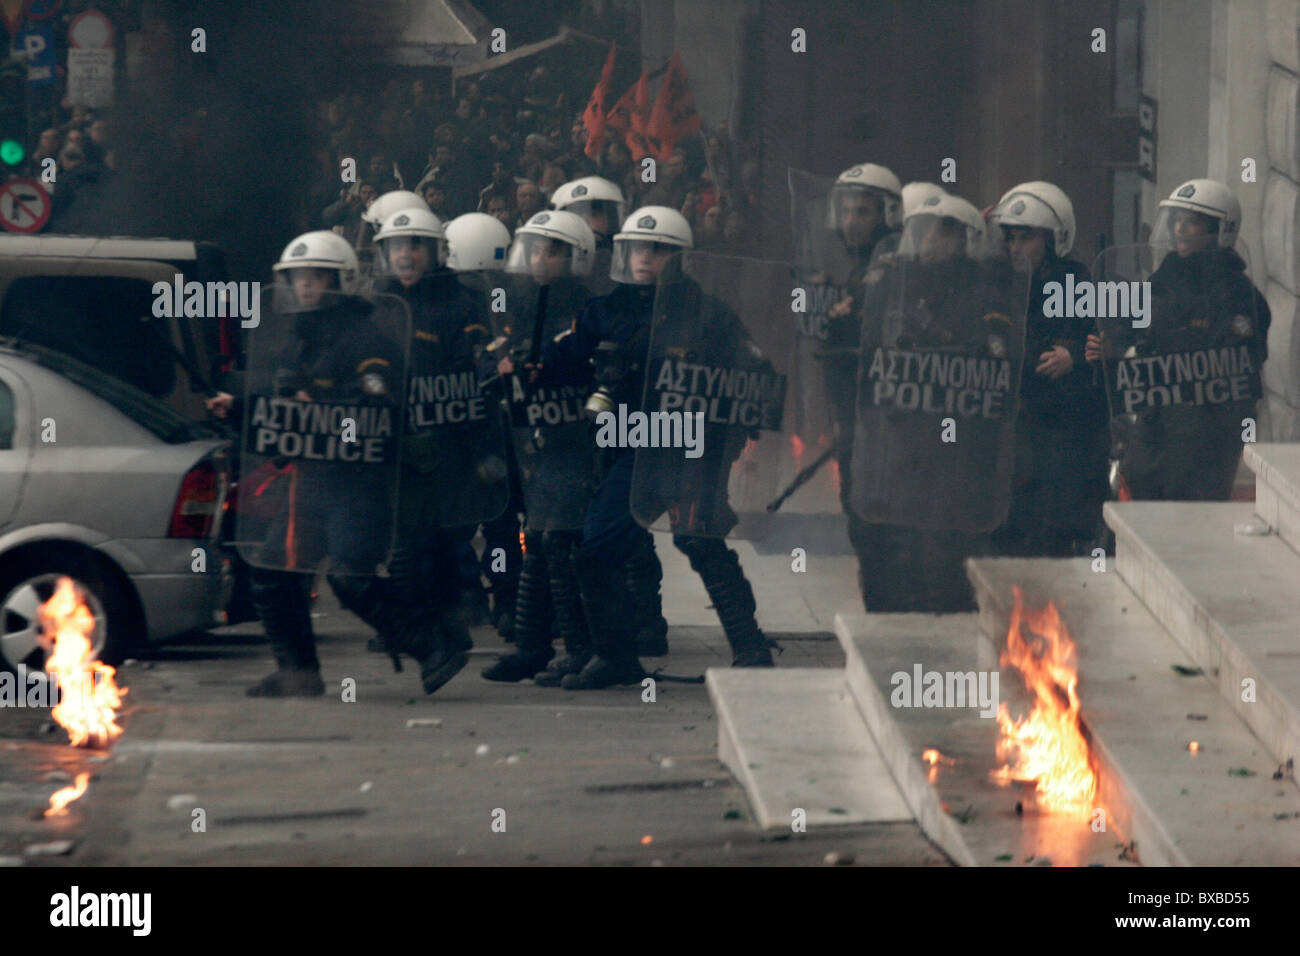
196,503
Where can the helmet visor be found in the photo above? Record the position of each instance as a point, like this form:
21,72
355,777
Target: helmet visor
304,289
855,212
542,257
602,215
937,239
409,258
639,261
1183,231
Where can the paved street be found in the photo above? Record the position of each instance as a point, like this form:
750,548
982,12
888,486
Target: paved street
590,778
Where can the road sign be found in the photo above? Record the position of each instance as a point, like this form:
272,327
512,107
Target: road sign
38,45
25,206
91,30
90,77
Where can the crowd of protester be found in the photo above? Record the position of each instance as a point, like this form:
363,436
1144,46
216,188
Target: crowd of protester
505,152
83,157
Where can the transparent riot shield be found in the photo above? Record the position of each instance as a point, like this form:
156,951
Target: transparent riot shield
1182,336
826,280
551,436
711,438
938,384
322,426
455,464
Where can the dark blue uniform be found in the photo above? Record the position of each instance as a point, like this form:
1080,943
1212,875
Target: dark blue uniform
1191,452
610,533
1061,436
416,607
330,509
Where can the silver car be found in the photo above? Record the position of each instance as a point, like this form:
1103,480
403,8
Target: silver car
103,484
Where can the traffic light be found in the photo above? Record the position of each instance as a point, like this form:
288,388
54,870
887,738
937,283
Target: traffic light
13,122
12,152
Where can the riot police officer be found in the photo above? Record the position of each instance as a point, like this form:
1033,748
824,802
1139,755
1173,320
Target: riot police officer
1202,302
924,502
1060,432
602,206
477,246
865,212
333,506
620,324
551,256
443,490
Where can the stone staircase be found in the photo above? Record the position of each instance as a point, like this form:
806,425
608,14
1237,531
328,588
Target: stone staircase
1189,674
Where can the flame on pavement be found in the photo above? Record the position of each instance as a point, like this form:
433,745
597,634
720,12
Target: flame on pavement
60,799
1047,746
88,697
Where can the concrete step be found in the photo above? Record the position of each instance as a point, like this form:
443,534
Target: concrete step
973,819
795,741
1231,601
1277,487
1219,805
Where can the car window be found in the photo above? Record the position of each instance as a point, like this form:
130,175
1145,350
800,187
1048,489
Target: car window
104,321
164,423
6,417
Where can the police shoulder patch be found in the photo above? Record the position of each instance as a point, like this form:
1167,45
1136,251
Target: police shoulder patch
1242,325
373,384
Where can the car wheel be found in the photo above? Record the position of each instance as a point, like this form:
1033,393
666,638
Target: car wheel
24,590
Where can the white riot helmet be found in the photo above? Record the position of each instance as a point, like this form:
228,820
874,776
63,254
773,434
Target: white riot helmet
476,241
545,229
415,224
1038,205
913,194
874,180
590,197
945,213
653,226
391,202
321,250
1207,197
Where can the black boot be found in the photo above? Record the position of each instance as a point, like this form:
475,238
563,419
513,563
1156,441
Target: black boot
283,602
602,672
733,598
566,600
451,652
644,576
532,620
602,576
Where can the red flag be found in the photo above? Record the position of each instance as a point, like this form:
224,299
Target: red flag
631,117
674,116
638,138
593,117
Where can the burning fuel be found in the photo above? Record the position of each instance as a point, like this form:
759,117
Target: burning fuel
1046,747
87,693
60,799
